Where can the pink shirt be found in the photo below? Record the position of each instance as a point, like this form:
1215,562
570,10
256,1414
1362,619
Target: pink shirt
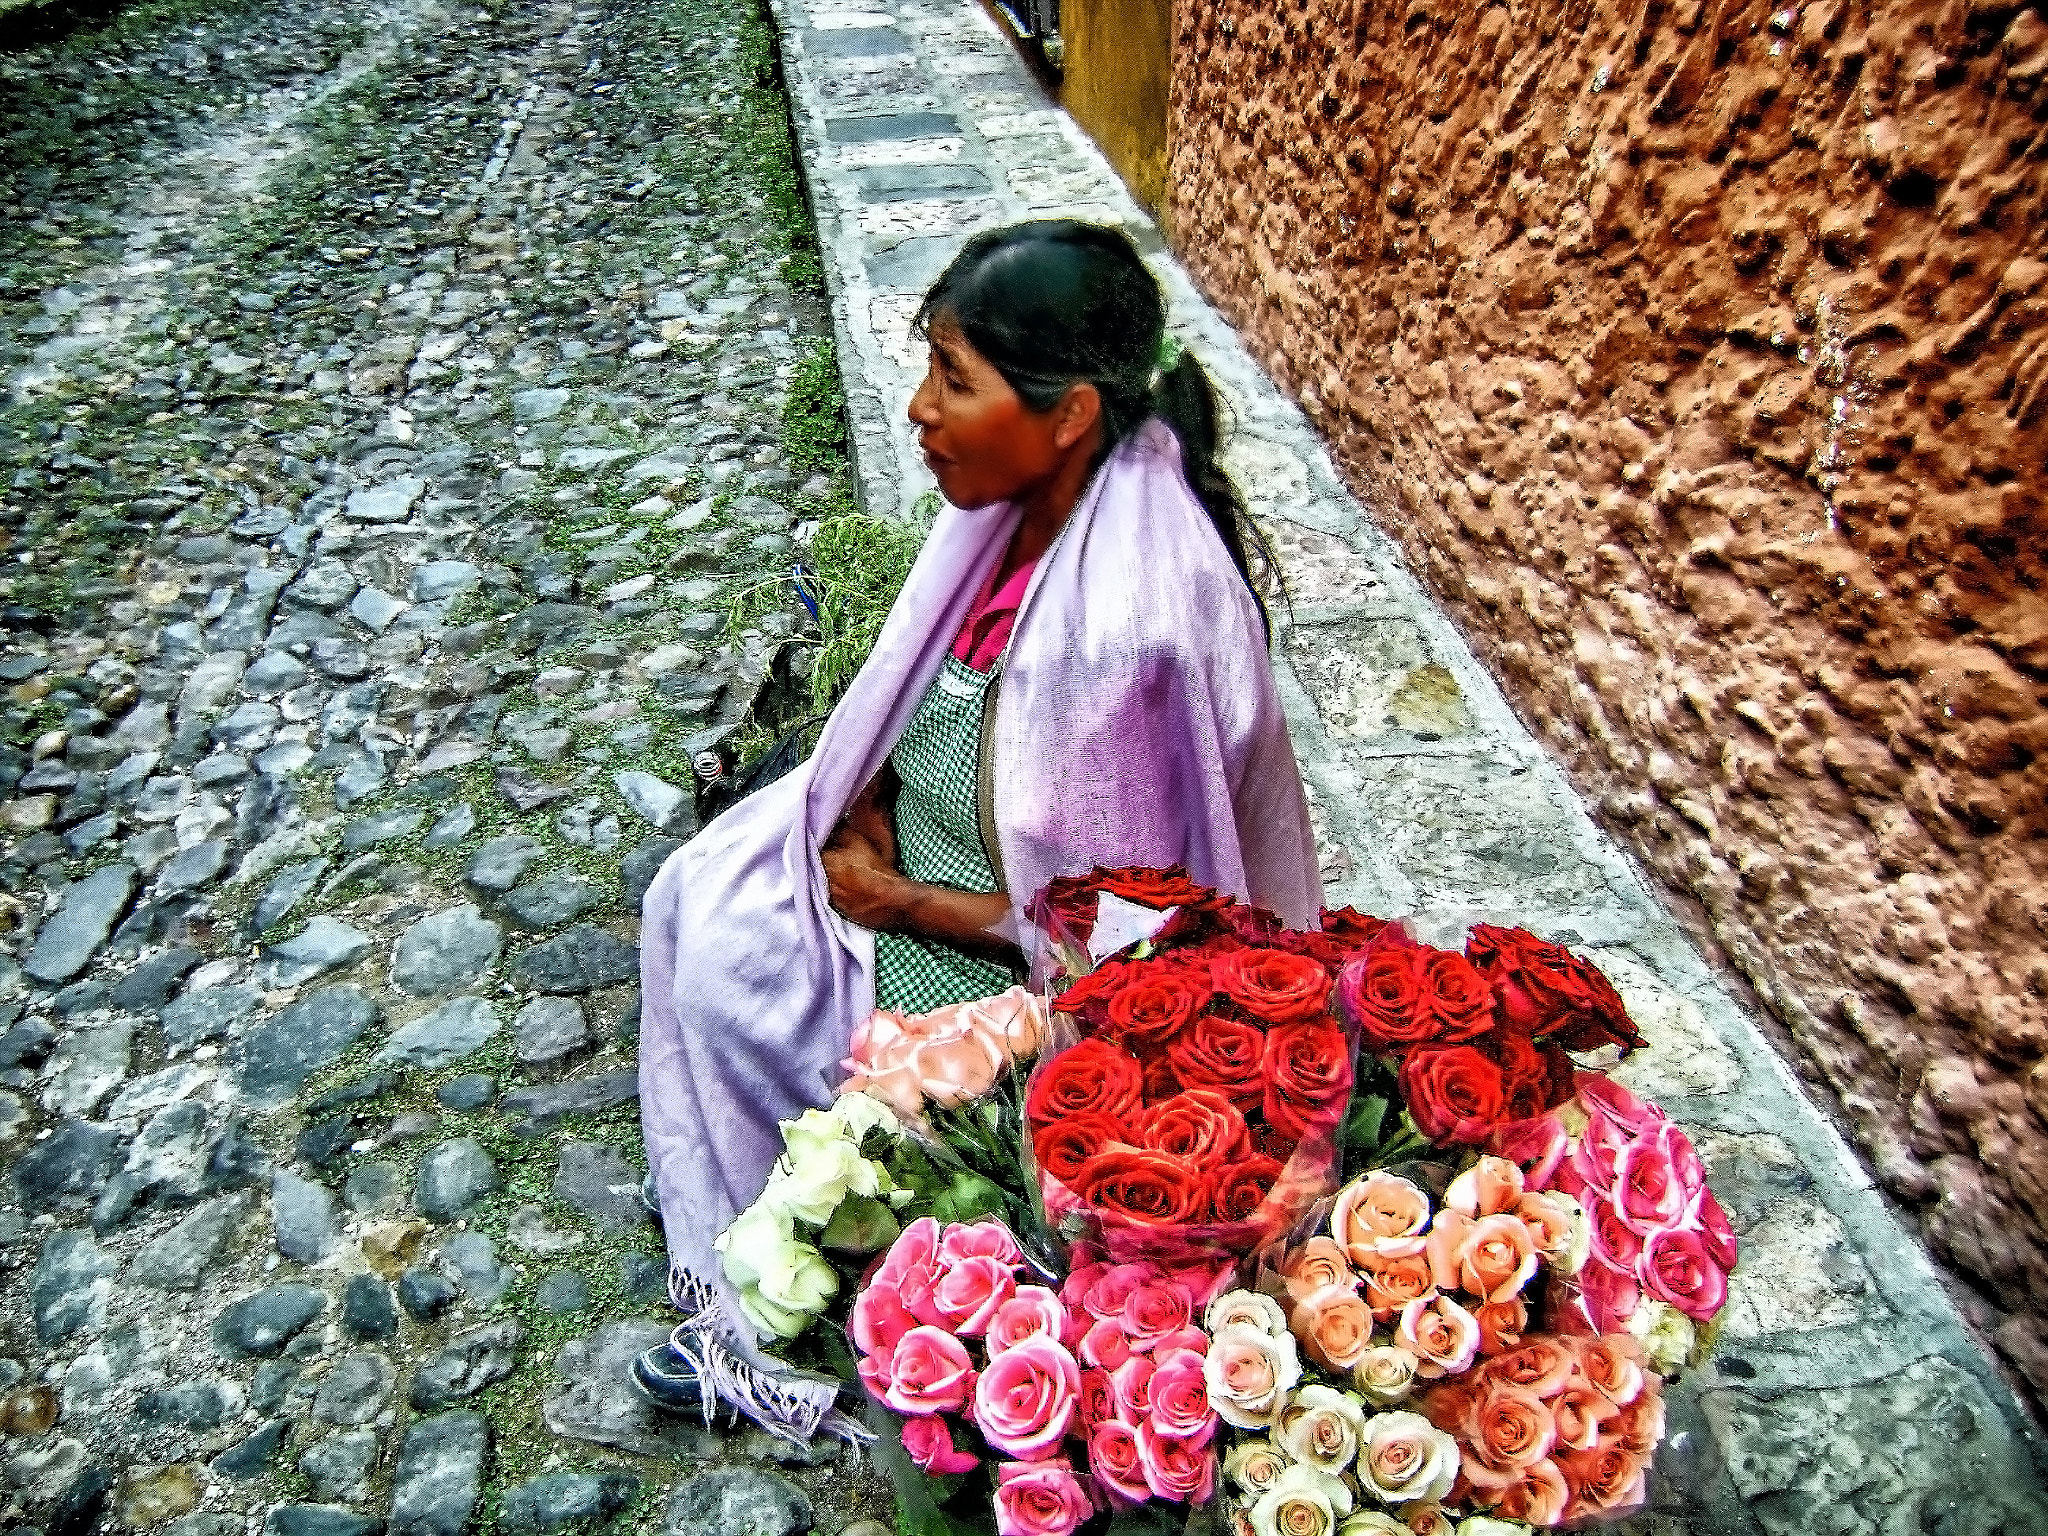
994,614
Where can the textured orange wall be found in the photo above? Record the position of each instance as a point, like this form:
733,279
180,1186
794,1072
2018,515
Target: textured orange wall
1697,355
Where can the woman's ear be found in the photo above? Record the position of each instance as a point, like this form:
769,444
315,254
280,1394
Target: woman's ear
1080,408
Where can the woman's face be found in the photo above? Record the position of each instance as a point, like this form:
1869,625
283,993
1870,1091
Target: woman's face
980,440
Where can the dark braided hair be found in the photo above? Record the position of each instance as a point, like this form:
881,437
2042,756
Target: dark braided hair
1052,303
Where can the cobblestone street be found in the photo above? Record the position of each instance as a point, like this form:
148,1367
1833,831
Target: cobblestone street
412,417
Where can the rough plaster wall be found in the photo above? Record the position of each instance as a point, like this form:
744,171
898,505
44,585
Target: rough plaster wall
1697,354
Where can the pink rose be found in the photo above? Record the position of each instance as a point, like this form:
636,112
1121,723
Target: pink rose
1686,1164
1714,1230
1133,1381
1153,1311
1104,1345
1179,1397
1603,1095
1607,1296
1098,1401
1026,1398
1039,1499
1074,1293
1106,1296
947,1057
1441,1335
1113,1458
1675,1267
970,1293
929,1442
1032,1311
1617,1242
911,1268
1647,1189
1189,1337
929,1372
981,1239
879,1320
1174,1468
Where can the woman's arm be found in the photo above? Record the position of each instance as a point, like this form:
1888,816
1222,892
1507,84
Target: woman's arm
867,888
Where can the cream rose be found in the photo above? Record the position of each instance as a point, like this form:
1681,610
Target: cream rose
817,1172
1301,1502
1489,1187
1322,1428
781,1283
1385,1374
1249,1375
1405,1457
1666,1334
1255,1465
1428,1520
1373,1522
1487,1525
1247,1307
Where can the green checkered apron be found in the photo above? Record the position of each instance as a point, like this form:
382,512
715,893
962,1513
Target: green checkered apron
939,842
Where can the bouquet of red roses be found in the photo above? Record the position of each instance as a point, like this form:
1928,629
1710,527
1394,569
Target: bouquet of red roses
1196,1111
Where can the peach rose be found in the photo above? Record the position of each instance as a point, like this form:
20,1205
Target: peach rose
1501,1324
1580,1409
1441,1335
1541,1366
1613,1363
1390,1284
1385,1375
947,1057
1250,1374
1334,1326
1322,1428
1382,1214
1404,1457
1509,1431
1607,1480
1539,1497
1316,1265
1558,1224
1492,1257
1640,1425
1489,1187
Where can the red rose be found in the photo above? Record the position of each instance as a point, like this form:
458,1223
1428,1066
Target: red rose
1089,996
1063,1146
1454,994
1147,1187
1253,925
1274,1144
1547,991
1156,1005
1454,1092
1271,984
1094,1077
1351,926
1382,988
1533,1077
1161,1082
1220,1053
1200,1125
1158,888
1307,1067
1065,909
1241,1187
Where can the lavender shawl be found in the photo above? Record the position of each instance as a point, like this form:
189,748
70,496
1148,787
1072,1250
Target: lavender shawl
1136,723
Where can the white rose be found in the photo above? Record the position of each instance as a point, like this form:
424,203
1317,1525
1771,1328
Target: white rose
815,1174
1667,1335
1371,1522
1487,1525
1254,1465
781,1283
1247,1307
1249,1374
1385,1374
1301,1502
859,1113
1322,1427
1405,1457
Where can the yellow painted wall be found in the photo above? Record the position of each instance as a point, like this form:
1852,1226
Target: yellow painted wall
1119,57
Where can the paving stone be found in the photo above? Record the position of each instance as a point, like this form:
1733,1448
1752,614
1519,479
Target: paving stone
581,959
375,1187
273,673
316,1520
325,585
549,900
367,1311
190,1404
354,1389
473,1090
527,793
260,1324
281,1052
557,1499
147,987
470,1362
452,1031
439,1476
387,503
440,579
594,1398
338,1465
445,952
208,1013
325,944
290,886
425,1295
549,1029
251,1456
599,1182
498,864
74,935
539,1108
653,798
450,828
375,610
177,1259
69,1288
638,869
87,1065
192,868
302,1217
381,827
68,1167
454,1176
737,1501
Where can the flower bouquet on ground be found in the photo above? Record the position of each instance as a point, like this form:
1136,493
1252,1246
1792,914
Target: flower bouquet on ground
1244,1228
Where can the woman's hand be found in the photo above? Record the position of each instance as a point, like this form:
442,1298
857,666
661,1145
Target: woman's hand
863,886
